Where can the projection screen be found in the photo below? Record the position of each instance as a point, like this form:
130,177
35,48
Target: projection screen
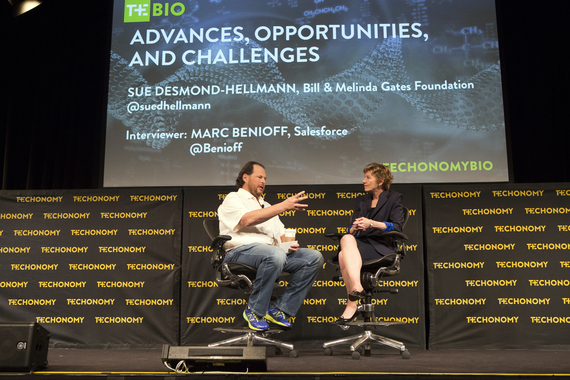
312,89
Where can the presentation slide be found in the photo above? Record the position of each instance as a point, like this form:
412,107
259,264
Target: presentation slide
312,89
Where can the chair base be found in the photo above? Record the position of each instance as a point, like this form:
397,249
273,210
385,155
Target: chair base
365,340
251,338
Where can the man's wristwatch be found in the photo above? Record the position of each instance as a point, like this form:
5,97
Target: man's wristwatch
371,224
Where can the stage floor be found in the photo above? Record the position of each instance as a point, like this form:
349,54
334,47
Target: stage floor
87,363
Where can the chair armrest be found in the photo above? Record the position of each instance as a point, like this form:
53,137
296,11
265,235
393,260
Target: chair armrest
218,253
334,235
396,235
220,240
386,234
396,240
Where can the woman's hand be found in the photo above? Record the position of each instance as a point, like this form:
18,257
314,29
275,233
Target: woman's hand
362,224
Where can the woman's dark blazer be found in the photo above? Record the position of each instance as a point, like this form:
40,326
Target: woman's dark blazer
388,209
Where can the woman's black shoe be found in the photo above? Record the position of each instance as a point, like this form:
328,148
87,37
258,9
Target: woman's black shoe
342,321
356,295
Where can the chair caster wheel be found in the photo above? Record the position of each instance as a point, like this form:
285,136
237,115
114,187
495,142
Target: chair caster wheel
406,354
293,354
355,355
328,352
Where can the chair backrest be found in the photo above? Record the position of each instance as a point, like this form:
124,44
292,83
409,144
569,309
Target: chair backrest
406,216
212,227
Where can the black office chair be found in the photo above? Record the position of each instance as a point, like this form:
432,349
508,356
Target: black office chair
371,273
239,276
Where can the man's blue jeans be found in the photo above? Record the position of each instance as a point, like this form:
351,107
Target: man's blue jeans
270,261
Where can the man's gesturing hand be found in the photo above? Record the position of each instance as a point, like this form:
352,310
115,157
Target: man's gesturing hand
292,203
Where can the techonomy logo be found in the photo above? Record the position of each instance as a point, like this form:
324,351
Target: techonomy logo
141,10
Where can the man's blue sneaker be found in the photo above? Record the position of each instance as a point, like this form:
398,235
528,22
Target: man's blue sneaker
253,321
278,317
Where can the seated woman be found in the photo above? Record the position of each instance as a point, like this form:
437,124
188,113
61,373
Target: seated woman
379,210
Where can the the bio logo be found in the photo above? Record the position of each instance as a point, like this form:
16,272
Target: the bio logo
141,10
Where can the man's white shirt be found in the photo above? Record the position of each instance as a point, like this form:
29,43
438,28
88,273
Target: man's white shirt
233,208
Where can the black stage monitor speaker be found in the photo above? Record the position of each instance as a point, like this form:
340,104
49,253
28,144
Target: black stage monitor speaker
23,346
225,359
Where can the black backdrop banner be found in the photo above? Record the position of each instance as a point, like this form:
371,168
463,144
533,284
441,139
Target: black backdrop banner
95,268
131,267
498,265
206,306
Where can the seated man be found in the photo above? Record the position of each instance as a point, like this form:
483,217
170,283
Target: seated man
256,233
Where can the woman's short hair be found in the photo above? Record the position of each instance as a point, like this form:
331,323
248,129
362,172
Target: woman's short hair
247,169
381,172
